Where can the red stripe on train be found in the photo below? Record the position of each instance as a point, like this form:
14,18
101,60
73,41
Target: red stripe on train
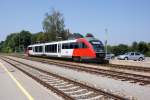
84,52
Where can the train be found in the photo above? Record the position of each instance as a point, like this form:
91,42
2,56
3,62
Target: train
88,48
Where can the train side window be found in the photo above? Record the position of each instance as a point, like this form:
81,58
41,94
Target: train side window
76,45
36,49
55,50
62,46
40,48
71,45
51,48
47,48
65,46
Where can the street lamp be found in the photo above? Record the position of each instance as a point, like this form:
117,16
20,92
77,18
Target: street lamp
106,32
19,42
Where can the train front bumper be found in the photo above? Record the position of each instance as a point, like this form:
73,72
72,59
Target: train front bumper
100,55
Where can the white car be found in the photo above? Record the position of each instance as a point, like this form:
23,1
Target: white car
109,56
132,56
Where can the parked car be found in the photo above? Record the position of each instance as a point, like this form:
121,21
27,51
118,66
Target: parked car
109,56
132,56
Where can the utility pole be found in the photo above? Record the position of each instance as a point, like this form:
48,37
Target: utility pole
19,42
106,32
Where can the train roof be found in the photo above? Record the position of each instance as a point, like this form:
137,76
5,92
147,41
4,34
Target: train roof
91,38
40,44
65,41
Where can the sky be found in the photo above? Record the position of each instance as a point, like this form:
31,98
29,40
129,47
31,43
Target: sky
125,20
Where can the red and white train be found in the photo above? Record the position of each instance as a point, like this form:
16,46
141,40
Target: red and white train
77,49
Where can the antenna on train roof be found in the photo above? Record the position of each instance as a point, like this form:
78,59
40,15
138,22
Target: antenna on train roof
37,42
89,35
75,36
59,38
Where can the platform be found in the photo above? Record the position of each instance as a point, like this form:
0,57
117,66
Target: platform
15,85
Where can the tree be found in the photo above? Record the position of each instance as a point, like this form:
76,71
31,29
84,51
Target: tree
38,37
1,45
53,25
142,47
15,41
148,45
9,44
24,38
120,49
65,34
134,46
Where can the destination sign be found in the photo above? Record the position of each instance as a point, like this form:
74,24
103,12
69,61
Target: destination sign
96,43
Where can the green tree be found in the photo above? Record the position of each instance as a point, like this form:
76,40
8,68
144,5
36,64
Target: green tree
9,44
143,47
24,39
120,49
109,48
134,46
1,45
15,41
53,25
38,37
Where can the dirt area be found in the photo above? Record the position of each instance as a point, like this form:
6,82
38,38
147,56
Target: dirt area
145,63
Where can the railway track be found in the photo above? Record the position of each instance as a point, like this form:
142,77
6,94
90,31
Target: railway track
67,88
134,68
116,66
124,76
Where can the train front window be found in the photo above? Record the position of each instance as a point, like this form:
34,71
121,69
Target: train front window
29,48
97,46
82,45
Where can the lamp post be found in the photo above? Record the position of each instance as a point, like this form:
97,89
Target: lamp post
19,42
106,32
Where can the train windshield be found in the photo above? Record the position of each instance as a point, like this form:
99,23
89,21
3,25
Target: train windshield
97,45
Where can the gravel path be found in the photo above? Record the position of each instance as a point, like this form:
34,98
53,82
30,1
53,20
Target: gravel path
145,63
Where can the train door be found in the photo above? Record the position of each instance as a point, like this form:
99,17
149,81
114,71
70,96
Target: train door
59,49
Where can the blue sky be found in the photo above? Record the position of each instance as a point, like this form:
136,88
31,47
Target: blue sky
126,20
